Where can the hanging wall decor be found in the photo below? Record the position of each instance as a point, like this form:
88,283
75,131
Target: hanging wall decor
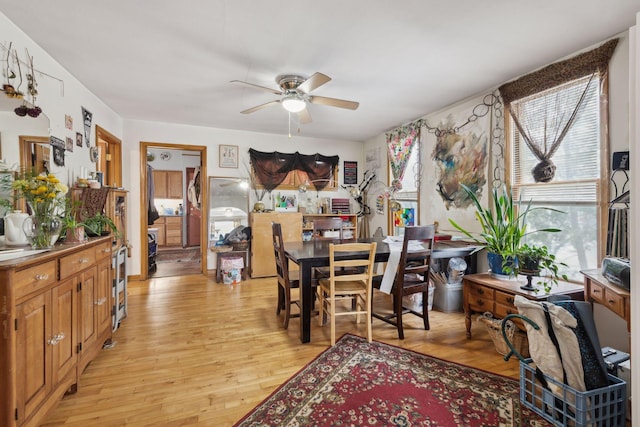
350,173
539,111
58,155
228,156
86,118
271,169
94,154
68,144
400,143
78,139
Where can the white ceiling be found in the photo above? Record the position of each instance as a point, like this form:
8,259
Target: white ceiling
172,61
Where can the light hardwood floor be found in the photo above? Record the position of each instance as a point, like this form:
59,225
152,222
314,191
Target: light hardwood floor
195,352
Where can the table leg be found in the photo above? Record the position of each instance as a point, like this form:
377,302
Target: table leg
306,302
467,320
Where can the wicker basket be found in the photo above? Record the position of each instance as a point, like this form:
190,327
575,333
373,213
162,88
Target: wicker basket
517,338
240,246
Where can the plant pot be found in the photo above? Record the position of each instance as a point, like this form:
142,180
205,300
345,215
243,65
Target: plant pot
496,262
530,266
75,235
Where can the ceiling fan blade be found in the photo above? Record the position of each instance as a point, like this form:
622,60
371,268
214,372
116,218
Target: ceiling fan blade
304,116
268,89
313,82
260,107
334,102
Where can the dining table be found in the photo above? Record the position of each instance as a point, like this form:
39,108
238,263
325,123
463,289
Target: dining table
315,253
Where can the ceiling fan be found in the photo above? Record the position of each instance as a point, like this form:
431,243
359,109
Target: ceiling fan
295,90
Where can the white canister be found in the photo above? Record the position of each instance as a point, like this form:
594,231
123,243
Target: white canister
13,231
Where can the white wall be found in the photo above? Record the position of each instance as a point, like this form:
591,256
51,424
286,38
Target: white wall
634,132
56,100
144,131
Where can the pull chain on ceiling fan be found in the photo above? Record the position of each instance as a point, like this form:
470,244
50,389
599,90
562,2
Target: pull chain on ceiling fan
294,90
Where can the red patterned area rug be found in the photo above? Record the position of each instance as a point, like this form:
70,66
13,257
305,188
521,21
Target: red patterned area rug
356,383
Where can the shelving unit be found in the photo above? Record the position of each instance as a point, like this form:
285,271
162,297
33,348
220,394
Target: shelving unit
349,227
119,293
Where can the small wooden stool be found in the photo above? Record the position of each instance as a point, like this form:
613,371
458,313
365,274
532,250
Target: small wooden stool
230,254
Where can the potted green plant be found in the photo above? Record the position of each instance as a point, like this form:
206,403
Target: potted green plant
536,260
73,227
503,226
101,224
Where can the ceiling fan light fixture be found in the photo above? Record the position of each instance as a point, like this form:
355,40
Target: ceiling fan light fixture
293,103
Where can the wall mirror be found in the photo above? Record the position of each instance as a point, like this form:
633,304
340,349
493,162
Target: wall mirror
23,140
228,205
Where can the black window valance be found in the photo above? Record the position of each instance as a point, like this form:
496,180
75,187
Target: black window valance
270,169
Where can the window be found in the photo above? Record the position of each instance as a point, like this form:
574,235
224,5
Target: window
407,197
577,185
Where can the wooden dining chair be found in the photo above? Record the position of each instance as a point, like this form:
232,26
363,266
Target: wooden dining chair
286,279
354,287
412,276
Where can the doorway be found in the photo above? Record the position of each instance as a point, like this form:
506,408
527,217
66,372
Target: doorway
172,231
193,214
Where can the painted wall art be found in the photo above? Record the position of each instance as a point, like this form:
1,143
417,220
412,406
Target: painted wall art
457,151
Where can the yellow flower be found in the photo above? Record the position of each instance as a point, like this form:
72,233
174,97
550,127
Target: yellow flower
61,188
44,193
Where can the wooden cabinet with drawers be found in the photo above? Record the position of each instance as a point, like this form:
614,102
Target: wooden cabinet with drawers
598,289
55,317
483,293
169,230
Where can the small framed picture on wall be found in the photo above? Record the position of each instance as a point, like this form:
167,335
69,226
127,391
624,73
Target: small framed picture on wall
228,156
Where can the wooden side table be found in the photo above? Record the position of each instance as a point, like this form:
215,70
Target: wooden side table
231,254
598,289
484,293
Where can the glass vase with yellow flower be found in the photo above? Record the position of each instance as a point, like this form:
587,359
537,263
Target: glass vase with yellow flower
44,195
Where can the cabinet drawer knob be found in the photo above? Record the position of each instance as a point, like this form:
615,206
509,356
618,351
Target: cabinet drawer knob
59,337
101,301
480,302
106,250
480,291
42,276
83,260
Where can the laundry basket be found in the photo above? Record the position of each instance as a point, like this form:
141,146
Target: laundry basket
560,403
516,337
605,406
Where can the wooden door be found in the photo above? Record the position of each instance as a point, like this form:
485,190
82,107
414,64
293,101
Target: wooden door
103,297
63,329
88,322
33,354
193,216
